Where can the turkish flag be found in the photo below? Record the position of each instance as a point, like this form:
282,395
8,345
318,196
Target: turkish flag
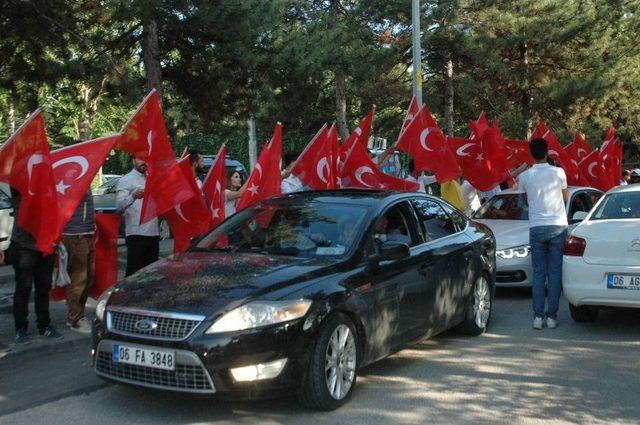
191,217
25,164
611,133
106,270
74,168
314,165
582,147
145,137
595,172
479,126
518,152
335,155
214,187
474,165
361,133
611,159
412,112
428,147
360,171
266,178
575,177
493,147
145,127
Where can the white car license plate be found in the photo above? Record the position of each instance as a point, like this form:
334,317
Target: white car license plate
159,359
623,281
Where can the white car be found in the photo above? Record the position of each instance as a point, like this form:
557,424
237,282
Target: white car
6,216
507,215
601,263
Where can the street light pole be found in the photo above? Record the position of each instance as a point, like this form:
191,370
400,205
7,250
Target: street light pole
417,52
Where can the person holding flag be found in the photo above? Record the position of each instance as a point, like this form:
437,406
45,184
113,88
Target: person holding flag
197,164
142,240
290,182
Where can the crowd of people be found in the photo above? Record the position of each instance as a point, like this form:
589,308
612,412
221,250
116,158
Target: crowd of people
544,184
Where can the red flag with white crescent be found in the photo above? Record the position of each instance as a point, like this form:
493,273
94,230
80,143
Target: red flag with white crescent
361,133
74,168
25,164
428,147
582,147
266,178
191,217
106,269
314,165
214,187
412,112
475,167
575,177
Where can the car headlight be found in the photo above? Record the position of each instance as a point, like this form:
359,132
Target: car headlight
102,303
515,252
260,313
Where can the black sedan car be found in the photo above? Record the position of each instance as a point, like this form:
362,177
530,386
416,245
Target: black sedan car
295,294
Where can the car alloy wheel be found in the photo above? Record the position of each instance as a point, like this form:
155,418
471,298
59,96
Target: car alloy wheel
481,302
340,362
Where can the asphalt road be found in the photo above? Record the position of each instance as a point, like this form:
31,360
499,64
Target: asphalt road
512,374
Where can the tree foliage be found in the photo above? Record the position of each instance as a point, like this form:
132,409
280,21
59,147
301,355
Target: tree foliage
574,63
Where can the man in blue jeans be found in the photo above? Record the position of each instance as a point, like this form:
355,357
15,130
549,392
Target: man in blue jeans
546,190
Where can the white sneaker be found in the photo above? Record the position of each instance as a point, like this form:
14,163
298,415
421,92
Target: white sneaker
551,323
537,323
81,326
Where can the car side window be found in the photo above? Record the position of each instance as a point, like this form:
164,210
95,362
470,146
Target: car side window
435,221
580,202
459,220
395,224
5,201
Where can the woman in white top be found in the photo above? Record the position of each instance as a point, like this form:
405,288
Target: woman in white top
233,192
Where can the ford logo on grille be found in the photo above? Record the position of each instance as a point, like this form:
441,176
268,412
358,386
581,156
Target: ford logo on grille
145,325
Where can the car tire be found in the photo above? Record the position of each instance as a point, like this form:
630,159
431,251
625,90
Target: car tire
479,306
583,313
164,229
324,389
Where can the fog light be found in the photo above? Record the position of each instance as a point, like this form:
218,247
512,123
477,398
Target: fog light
259,371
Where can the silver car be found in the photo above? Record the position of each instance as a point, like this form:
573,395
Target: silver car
507,215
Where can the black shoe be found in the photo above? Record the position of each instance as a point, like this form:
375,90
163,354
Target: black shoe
50,332
22,338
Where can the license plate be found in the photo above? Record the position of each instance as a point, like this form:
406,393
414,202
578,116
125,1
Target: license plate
159,359
623,281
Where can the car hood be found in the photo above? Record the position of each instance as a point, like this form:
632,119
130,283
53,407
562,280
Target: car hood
205,283
509,233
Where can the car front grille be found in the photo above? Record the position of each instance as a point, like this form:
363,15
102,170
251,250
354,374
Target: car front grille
160,325
186,377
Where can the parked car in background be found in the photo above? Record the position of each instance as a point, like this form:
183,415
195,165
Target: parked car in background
6,216
296,294
507,215
601,263
230,163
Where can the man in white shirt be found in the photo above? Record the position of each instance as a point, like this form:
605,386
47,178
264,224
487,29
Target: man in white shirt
142,240
290,183
197,164
471,198
546,192
421,179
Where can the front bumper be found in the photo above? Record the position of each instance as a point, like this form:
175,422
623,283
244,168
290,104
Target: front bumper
203,362
586,284
514,272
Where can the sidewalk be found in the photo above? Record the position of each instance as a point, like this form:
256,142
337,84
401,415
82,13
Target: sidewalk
58,310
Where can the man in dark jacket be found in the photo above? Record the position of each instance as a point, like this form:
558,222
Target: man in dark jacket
32,268
79,240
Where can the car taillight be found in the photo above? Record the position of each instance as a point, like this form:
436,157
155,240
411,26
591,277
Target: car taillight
574,246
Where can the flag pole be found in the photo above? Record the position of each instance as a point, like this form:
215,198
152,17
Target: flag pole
417,52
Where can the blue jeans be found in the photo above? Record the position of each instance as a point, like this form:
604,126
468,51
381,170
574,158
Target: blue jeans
547,244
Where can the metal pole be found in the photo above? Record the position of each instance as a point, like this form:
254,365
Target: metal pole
417,52
253,157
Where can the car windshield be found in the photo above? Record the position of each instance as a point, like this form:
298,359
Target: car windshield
108,186
307,229
505,206
618,205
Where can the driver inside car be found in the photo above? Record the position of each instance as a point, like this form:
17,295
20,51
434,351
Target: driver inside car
389,229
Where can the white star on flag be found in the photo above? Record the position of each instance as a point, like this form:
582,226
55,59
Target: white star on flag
61,187
253,189
215,213
479,157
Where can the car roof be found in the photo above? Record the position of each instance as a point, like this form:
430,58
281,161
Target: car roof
572,189
354,196
634,187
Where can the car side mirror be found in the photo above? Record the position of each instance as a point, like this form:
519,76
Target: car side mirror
392,250
578,216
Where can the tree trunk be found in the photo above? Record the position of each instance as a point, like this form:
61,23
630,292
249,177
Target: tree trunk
448,97
341,106
524,91
151,55
11,117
